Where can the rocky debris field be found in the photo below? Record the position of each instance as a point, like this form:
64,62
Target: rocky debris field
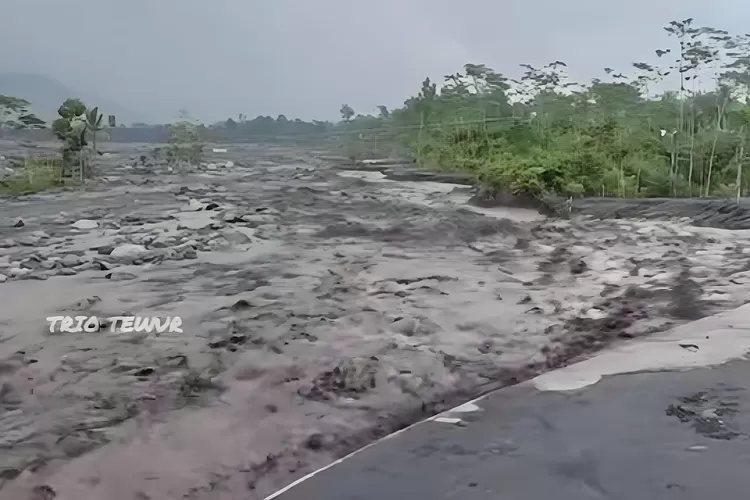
321,309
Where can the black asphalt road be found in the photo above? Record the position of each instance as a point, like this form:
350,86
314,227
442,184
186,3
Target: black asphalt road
645,436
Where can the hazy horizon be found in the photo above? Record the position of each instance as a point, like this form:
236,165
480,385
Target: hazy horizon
306,59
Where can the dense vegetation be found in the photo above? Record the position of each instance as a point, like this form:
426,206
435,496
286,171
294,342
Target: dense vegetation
619,135
184,144
14,114
76,128
614,136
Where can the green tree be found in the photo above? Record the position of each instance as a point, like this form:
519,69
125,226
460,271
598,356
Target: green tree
185,146
70,128
347,113
14,112
544,134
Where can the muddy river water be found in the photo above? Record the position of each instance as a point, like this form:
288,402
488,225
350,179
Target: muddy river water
320,309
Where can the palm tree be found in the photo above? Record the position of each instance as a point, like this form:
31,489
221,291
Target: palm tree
94,125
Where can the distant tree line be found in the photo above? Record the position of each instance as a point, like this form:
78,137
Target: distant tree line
260,129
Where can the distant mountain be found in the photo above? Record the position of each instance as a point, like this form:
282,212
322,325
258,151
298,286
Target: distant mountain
46,94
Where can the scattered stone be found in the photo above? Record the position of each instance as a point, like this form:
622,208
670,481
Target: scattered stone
85,224
101,265
405,326
218,243
176,361
88,302
578,267
3,278
689,346
51,264
194,205
241,305
238,338
17,271
105,250
19,223
33,262
71,260
29,241
595,313
38,276
188,253
232,218
129,250
195,220
238,235
217,342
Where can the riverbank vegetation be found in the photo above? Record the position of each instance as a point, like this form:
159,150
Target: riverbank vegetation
679,128
32,175
76,128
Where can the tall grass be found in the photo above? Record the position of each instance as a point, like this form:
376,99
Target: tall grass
34,175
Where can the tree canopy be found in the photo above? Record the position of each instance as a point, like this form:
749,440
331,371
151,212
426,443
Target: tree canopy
614,136
14,113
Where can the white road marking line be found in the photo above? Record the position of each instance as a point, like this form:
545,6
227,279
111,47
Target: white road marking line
283,490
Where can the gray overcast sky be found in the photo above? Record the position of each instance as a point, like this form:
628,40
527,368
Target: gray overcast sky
304,58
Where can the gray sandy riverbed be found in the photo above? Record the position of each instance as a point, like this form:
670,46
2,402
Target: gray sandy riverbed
321,309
